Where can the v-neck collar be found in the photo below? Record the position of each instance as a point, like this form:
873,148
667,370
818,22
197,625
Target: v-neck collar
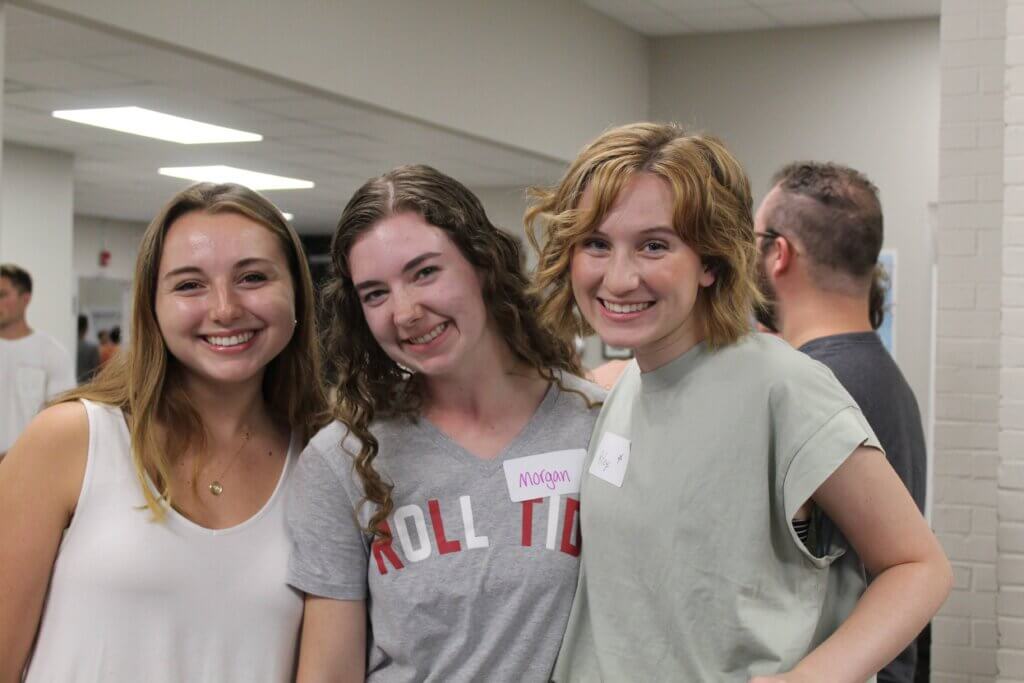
519,442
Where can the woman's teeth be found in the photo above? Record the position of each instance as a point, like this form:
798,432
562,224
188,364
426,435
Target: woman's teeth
233,340
429,336
627,308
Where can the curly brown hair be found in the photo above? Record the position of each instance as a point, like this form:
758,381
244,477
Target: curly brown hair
366,382
713,215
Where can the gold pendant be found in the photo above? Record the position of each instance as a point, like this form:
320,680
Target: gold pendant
215,488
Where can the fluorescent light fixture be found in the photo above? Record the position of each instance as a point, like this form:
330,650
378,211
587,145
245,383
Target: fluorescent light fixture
287,216
228,174
153,124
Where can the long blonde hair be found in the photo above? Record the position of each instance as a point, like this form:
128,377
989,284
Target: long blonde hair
145,380
712,210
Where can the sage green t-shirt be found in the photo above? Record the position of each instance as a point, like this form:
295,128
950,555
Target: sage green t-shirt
691,570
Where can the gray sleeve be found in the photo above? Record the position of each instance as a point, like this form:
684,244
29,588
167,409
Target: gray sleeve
328,549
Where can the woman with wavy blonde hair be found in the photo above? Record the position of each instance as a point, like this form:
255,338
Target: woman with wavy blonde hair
141,517
436,518
718,450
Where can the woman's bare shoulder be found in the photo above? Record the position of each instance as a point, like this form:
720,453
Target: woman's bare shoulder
52,449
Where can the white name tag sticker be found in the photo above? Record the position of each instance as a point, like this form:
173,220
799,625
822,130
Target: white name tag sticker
547,474
611,459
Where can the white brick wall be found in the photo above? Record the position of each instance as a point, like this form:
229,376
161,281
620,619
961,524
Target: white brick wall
1010,530
967,645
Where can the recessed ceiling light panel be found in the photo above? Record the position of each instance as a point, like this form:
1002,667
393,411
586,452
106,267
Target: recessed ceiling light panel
154,124
228,174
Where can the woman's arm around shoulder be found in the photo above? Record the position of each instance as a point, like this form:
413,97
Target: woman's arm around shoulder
912,577
333,647
40,481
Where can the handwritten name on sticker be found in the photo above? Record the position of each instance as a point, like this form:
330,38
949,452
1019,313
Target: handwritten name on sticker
611,459
556,473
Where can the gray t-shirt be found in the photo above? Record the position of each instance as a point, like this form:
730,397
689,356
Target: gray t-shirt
473,586
863,366
692,570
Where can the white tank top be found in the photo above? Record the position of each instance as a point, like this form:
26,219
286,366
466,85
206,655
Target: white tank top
171,601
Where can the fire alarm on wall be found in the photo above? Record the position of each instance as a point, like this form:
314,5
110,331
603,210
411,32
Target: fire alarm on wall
104,258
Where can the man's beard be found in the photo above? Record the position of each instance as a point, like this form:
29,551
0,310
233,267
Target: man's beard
766,313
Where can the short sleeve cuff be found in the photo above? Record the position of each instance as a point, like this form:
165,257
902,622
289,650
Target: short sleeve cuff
323,589
822,454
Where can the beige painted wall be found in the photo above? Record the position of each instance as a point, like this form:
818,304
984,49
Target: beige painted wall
866,95
35,233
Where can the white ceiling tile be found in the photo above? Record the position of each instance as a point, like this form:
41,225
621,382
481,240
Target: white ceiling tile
815,13
730,19
65,40
887,9
659,25
15,17
292,128
679,7
26,118
710,16
644,16
64,74
775,3
172,68
320,110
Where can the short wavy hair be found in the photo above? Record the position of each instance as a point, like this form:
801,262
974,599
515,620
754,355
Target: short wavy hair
713,213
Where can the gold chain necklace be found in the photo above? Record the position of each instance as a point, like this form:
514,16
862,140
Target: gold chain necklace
216,488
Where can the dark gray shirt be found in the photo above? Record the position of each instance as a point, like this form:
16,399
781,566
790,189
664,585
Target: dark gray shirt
87,361
863,366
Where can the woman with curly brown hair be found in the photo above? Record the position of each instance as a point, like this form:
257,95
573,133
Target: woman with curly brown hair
716,448
437,518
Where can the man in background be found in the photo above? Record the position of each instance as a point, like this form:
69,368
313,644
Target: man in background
87,360
819,234
110,344
34,368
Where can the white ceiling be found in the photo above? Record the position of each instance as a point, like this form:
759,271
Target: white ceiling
674,17
53,64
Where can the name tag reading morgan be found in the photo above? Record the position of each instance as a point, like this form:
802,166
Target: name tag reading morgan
546,474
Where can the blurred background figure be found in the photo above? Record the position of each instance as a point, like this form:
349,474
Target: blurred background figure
820,233
110,343
34,368
87,359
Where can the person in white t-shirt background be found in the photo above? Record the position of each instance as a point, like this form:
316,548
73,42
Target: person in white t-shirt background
34,367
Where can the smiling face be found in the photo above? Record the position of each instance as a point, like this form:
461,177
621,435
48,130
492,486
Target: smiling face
422,299
225,301
635,280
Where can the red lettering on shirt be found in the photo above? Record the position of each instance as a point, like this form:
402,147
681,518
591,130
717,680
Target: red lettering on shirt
528,521
444,546
382,547
572,507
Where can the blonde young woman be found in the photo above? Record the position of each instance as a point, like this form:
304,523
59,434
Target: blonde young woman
716,445
141,518
435,523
